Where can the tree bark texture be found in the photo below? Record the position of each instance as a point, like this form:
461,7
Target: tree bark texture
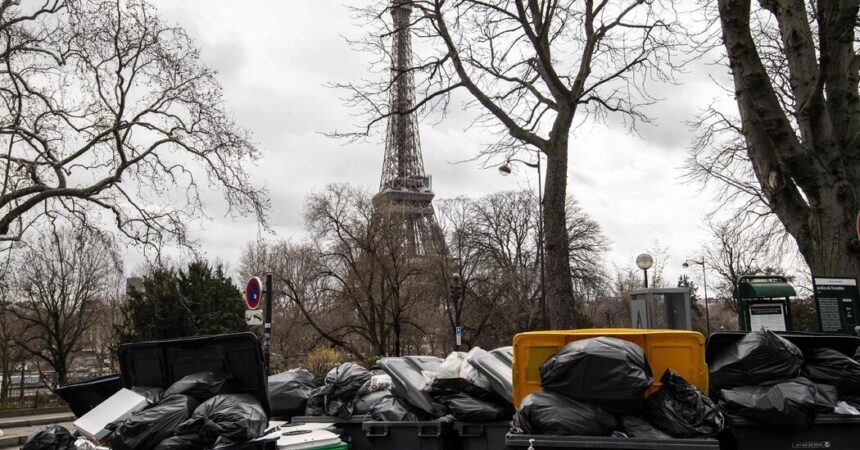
559,285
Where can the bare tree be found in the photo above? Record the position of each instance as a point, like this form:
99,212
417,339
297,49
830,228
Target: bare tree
364,275
793,152
494,240
532,68
736,250
10,352
60,277
108,110
292,336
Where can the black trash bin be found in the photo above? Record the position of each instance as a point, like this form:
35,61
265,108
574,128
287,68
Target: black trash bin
86,395
828,431
831,431
524,441
161,363
350,429
482,436
426,435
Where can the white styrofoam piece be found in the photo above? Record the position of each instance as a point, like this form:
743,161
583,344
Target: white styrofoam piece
308,426
305,439
119,406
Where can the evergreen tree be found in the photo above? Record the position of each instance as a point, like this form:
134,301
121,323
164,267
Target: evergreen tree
196,301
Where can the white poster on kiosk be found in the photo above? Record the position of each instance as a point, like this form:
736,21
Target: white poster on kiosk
769,315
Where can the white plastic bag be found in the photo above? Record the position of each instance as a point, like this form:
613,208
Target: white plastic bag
470,374
83,444
846,409
452,366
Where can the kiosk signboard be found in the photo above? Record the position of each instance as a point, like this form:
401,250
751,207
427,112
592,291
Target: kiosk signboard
836,301
769,315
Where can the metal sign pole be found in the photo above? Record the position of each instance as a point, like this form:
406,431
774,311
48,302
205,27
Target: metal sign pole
267,324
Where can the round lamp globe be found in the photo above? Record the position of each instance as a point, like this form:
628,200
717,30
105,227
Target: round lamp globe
644,261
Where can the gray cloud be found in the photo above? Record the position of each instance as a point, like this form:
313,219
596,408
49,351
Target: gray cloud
275,57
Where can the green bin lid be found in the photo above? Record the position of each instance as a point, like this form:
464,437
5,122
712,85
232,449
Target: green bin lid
764,286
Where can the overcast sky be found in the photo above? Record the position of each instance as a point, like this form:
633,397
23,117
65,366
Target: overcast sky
274,58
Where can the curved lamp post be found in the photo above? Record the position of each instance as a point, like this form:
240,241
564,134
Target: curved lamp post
505,170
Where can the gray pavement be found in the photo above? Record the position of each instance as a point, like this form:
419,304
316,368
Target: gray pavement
16,429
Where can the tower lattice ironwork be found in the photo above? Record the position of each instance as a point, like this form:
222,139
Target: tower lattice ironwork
405,189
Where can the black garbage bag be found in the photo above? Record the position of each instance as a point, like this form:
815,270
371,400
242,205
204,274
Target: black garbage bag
153,394
757,358
826,397
289,392
201,385
444,387
337,396
315,405
829,366
605,371
389,408
679,409
555,414
51,437
191,441
637,427
365,403
466,408
238,417
789,404
145,429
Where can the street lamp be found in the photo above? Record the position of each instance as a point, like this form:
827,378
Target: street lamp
505,170
644,262
686,265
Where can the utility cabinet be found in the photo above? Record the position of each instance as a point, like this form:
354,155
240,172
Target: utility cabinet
661,308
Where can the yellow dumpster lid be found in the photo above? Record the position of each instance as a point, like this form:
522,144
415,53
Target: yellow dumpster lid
681,351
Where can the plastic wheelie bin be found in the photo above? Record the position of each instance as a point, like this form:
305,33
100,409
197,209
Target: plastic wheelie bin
828,431
482,436
350,429
681,351
86,395
426,435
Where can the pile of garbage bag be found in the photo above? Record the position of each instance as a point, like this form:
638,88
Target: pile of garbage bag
466,393
146,428
412,388
193,413
596,387
766,378
336,397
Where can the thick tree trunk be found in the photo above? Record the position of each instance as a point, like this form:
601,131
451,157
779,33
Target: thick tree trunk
831,248
807,173
559,286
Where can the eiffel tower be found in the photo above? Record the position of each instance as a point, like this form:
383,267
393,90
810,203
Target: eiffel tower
405,189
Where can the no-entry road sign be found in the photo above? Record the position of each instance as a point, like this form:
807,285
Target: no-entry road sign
253,293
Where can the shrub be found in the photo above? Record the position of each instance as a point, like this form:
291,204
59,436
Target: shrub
320,360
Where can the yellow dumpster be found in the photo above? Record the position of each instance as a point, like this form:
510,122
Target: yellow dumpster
681,351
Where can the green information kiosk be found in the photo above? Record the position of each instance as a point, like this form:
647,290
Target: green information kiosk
764,302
